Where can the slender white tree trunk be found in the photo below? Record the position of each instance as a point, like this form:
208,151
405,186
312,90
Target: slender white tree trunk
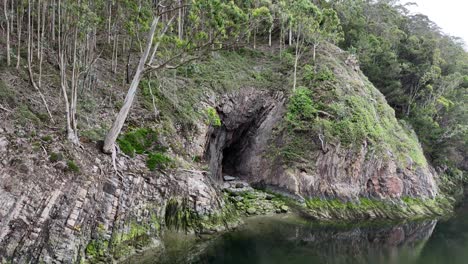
109,142
269,36
19,28
5,9
30,56
296,60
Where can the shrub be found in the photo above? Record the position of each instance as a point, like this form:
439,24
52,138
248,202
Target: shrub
213,117
158,161
301,108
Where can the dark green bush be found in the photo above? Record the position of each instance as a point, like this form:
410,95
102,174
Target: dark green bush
301,108
158,161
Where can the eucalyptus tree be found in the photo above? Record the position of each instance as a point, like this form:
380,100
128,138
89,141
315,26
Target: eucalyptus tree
213,21
329,30
75,22
6,11
261,19
30,58
306,19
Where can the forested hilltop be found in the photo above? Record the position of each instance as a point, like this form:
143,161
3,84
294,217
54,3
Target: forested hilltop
120,119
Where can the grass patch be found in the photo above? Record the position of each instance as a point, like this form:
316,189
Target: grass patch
72,166
144,141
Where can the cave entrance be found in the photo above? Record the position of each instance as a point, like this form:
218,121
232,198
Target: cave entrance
247,119
236,149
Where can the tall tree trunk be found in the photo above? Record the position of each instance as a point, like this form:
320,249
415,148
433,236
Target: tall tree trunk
19,29
314,53
296,60
30,56
269,35
109,23
52,22
5,9
255,39
180,22
109,142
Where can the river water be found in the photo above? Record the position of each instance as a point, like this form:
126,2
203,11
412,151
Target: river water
290,239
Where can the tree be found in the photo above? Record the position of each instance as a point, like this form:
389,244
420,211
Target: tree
75,22
30,60
260,19
7,33
305,19
329,29
220,19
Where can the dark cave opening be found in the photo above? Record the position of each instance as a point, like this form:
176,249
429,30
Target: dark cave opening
235,149
247,119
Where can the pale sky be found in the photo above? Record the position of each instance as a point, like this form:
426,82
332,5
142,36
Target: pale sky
450,15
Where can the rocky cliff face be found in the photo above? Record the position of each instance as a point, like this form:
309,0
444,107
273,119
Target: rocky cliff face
255,132
51,214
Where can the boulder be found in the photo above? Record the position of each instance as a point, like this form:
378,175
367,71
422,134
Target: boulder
229,178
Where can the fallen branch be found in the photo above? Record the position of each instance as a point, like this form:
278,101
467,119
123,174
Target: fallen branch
5,109
325,113
195,171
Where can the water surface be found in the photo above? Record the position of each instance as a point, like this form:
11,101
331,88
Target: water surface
290,239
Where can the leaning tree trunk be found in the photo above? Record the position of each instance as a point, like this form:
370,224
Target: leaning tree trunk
109,142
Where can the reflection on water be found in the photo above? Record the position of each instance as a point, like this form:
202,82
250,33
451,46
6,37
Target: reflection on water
284,241
289,239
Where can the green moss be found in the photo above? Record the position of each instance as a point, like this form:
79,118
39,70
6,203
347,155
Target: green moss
212,117
369,208
179,216
139,141
145,141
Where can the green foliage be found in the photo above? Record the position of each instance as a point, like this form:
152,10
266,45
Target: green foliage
158,161
301,108
311,77
25,116
418,68
7,96
139,141
47,138
213,117
54,157
145,141
72,166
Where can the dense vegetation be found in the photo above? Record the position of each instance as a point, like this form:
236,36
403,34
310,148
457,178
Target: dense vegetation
422,72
